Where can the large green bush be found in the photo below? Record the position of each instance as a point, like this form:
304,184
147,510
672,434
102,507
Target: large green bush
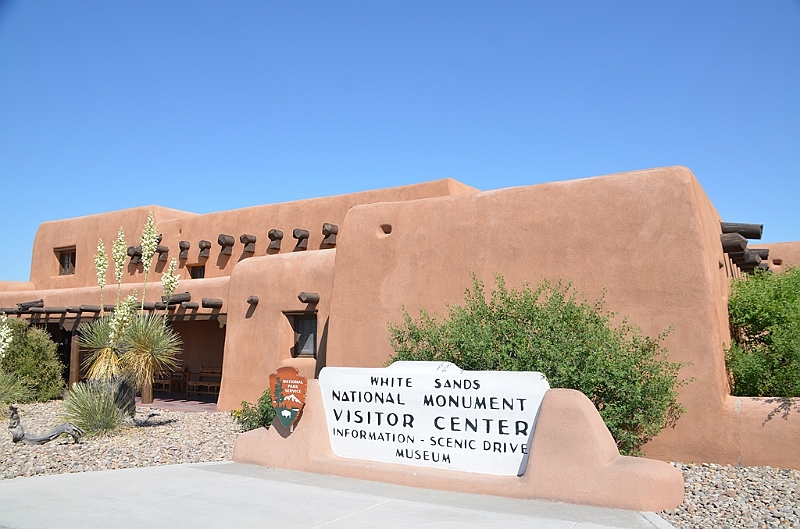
31,358
764,358
553,330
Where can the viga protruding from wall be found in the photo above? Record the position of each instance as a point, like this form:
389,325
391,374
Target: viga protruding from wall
573,459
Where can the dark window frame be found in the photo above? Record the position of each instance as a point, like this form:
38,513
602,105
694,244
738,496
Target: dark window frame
200,270
66,260
296,319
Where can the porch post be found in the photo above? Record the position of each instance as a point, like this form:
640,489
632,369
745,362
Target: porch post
74,360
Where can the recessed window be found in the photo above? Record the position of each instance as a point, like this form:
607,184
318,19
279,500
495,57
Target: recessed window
305,334
66,260
197,272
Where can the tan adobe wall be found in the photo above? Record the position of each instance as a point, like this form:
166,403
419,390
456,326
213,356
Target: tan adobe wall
16,286
82,233
259,341
175,226
303,214
788,253
651,237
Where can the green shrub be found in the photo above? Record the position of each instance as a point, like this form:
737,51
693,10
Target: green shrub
31,357
764,358
99,406
250,417
12,391
573,343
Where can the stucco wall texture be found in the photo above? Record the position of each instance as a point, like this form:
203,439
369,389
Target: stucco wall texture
650,238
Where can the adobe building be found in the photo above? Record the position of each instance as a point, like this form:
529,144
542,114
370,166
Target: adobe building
314,283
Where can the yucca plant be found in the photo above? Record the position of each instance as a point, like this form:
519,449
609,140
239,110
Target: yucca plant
99,406
148,346
103,360
103,338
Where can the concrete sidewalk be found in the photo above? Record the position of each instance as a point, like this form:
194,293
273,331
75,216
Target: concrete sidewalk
223,495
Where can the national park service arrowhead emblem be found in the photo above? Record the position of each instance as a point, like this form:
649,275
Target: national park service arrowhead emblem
288,394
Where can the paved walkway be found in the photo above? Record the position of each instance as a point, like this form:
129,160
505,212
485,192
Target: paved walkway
232,495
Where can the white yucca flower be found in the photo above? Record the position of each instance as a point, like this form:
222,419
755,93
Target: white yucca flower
119,251
5,335
149,242
101,263
124,313
169,279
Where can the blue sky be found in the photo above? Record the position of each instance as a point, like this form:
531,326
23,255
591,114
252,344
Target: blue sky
206,106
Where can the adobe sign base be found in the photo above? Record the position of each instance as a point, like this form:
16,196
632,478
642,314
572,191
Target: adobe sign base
573,459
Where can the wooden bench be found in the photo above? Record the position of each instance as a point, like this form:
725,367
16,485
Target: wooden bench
168,380
178,380
162,380
206,382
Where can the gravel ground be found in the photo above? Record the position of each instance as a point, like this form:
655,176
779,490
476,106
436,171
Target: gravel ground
727,496
716,496
167,438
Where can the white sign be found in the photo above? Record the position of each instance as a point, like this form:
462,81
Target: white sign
433,414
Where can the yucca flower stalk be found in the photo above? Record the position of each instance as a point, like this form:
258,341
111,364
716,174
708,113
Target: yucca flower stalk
119,251
5,336
124,314
101,268
149,346
149,243
169,281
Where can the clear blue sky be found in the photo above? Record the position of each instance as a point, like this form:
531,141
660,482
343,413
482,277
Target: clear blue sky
211,105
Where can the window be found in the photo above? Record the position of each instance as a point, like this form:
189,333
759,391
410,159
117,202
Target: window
197,272
66,260
305,336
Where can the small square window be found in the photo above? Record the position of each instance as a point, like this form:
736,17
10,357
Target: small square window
197,272
66,260
305,334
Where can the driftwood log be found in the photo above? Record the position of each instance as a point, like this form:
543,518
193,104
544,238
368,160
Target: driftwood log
18,432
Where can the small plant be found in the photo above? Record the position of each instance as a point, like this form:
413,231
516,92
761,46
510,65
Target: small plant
30,357
250,417
99,406
573,343
764,358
